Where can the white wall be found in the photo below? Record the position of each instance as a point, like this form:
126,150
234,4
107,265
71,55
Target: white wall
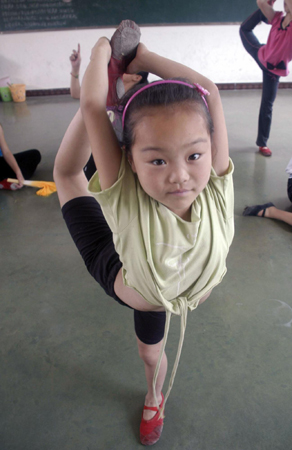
41,60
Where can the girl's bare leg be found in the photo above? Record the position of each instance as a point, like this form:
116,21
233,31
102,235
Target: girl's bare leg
278,214
149,354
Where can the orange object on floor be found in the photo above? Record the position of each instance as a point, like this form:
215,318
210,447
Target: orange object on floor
47,187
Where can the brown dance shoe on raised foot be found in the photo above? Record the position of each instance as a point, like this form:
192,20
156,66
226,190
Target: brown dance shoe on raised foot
125,40
124,43
150,430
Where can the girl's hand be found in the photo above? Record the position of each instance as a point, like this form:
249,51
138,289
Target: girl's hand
137,64
102,45
75,59
20,178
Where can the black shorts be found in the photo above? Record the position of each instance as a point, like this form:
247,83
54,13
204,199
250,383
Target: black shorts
94,240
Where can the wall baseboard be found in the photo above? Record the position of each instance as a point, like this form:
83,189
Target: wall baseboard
240,86
221,86
42,92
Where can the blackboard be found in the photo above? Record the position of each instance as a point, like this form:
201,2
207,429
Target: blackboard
33,15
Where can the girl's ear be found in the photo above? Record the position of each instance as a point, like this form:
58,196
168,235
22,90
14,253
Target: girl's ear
137,78
131,162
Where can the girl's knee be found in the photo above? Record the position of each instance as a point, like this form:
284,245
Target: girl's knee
148,353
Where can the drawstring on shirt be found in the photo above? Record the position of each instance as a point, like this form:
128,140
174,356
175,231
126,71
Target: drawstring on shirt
182,304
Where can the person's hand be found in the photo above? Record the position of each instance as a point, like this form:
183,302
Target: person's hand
75,60
137,65
20,178
271,2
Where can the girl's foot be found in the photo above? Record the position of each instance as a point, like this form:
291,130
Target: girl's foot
258,210
124,43
150,430
148,414
125,40
265,151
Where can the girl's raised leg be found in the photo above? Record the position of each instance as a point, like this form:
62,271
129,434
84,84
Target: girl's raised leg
248,38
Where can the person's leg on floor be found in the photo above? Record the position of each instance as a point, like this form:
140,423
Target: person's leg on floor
278,214
268,211
28,162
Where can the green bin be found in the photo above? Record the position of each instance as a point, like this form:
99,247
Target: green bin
5,94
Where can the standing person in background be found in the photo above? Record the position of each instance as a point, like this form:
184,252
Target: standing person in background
21,165
272,58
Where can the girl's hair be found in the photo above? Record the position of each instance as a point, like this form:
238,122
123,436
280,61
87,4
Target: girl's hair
165,94
144,79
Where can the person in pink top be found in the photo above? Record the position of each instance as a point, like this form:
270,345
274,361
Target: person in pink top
272,57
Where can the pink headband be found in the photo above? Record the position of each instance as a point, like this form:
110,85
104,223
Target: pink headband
196,86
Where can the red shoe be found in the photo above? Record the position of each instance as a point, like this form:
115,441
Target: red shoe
150,430
4,184
265,151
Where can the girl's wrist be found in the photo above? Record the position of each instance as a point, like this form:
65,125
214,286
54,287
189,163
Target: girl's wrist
18,174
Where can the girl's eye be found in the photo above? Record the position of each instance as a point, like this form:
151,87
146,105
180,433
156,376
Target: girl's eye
194,157
158,162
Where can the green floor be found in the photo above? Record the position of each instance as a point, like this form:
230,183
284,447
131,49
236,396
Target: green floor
70,375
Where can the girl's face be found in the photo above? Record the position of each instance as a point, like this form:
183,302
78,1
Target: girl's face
171,155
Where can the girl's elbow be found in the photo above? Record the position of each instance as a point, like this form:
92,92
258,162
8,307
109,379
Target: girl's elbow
214,89
214,93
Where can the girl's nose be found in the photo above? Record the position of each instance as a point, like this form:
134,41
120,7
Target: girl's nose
178,175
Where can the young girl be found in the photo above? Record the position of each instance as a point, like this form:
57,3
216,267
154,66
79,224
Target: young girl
20,165
158,235
272,58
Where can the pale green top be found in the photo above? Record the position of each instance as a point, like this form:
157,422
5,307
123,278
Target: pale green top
165,257
170,262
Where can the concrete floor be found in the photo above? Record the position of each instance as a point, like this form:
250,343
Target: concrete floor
70,376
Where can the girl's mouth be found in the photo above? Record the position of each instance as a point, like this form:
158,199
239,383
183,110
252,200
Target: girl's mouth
179,192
